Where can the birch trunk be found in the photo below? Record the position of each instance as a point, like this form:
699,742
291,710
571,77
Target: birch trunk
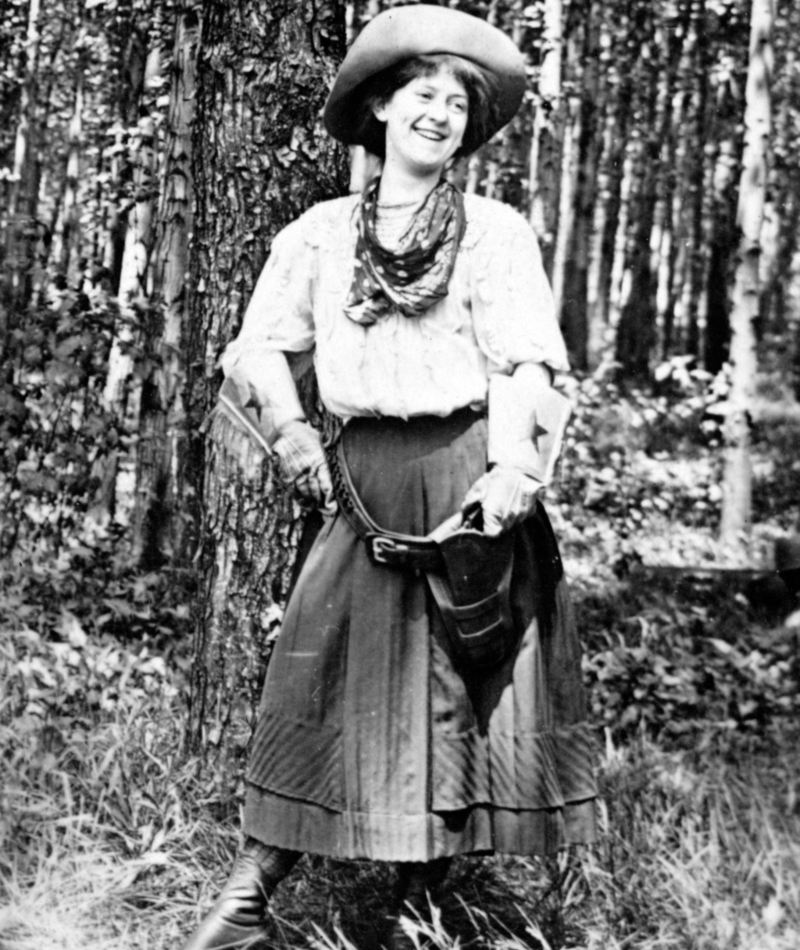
135,259
545,166
22,193
67,239
737,476
611,214
161,446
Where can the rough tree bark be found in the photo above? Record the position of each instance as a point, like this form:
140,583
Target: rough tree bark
260,157
158,525
737,476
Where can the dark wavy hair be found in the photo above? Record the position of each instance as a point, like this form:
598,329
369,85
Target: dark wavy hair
480,87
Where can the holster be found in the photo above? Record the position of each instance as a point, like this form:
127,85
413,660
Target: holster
469,573
473,592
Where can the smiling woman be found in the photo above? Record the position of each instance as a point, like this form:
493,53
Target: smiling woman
424,696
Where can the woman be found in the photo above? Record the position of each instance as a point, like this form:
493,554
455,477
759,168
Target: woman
434,340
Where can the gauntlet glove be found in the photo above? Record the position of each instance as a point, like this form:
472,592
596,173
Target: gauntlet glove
303,464
527,420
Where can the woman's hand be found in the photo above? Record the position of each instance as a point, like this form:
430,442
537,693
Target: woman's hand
303,464
506,496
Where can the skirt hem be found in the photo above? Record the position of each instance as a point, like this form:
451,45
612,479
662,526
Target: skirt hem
304,826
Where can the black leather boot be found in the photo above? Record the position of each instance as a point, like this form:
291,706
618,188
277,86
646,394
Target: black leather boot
236,921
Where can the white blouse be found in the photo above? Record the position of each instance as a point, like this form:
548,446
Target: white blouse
499,312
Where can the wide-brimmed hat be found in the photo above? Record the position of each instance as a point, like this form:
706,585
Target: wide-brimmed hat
403,32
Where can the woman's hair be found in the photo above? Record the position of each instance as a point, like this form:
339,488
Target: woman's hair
480,87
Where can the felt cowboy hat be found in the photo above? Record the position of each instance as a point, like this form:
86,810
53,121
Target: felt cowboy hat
402,32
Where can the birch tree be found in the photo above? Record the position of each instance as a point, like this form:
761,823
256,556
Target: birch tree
22,197
545,165
737,476
158,527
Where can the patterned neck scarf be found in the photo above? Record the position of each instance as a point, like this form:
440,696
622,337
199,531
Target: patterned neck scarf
414,276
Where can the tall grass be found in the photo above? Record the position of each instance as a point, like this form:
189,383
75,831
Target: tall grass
111,838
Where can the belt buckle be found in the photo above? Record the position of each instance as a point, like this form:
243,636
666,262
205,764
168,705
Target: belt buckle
382,546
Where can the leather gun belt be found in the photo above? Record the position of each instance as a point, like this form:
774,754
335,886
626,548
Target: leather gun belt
383,547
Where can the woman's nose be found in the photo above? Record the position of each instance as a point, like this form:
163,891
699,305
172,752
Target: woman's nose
437,110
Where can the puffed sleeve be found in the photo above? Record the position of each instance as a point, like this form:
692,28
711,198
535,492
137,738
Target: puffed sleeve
513,309
279,316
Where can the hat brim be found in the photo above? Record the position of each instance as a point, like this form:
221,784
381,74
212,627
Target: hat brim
403,32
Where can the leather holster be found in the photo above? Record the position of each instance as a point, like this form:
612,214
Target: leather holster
473,592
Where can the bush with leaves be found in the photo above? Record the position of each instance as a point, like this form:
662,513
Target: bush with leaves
687,671
630,452
54,430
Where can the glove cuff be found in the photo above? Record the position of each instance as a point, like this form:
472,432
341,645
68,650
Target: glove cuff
527,420
264,409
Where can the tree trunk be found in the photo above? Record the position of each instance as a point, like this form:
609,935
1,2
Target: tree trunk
737,477
22,194
574,336
67,237
679,184
122,392
161,446
721,248
548,123
574,313
636,334
260,157
136,254
611,214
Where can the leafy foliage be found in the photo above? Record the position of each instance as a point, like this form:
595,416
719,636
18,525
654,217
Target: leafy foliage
56,433
631,453
685,673
640,473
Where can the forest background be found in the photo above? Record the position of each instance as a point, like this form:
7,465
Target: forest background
149,152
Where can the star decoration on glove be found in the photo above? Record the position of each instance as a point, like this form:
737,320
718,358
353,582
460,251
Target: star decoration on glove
537,432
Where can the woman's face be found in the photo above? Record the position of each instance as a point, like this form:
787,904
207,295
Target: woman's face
425,123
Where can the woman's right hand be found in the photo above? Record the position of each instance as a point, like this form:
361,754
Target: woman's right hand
303,464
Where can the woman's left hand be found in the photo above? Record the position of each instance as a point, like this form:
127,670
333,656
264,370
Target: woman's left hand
506,496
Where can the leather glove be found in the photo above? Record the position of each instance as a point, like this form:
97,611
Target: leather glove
303,464
506,496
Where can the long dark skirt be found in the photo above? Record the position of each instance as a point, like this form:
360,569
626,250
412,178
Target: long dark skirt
370,742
